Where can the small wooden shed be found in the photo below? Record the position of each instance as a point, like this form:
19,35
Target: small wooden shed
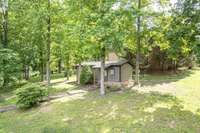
118,71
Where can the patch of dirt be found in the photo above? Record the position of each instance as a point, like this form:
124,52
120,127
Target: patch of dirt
70,95
165,88
172,124
8,108
67,119
46,107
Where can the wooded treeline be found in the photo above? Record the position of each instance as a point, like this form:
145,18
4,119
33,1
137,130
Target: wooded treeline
46,36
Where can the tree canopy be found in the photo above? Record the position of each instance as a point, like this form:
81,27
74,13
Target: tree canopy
88,30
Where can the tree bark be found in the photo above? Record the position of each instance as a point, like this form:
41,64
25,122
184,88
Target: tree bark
68,76
48,70
1,36
59,65
102,87
137,69
5,36
26,72
42,67
5,23
79,74
175,66
5,81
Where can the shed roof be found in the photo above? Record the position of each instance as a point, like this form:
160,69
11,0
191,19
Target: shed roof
97,64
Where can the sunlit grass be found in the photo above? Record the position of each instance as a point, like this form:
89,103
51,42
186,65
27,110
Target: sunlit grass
7,97
185,86
164,104
53,76
126,112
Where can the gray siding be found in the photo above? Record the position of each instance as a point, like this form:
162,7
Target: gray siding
126,72
109,75
113,74
97,75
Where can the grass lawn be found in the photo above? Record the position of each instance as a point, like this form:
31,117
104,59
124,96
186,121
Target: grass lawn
53,76
7,97
164,104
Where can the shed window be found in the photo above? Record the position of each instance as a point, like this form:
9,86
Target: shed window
112,72
105,73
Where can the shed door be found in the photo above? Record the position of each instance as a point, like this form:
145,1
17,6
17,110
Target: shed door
113,74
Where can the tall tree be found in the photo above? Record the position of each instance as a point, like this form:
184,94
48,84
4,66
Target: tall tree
104,32
4,11
137,68
48,69
185,27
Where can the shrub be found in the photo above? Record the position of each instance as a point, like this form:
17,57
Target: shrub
86,75
30,95
10,67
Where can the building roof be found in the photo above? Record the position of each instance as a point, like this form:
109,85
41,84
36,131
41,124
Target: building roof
97,64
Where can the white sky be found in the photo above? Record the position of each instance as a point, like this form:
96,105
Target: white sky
155,6
173,1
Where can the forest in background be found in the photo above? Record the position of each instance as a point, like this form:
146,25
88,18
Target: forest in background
42,37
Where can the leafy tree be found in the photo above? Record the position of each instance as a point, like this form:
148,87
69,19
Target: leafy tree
103,31
10,67
48,69
4,15
183,31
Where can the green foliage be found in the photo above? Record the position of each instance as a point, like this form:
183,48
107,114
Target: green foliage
86,75
183,30
30,95
82,30
10,67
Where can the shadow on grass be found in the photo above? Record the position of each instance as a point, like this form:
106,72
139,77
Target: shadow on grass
7,95
127,112
153,79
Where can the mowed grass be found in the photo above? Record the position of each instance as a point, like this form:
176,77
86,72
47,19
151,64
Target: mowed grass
7,96
185,86
169,106
126,112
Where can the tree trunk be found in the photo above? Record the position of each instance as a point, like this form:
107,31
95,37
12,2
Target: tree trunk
5,36
79,74
175,66
137,69
102,87
5,23
26,72
41,73
59,65
67,75
1,36
163,65
41,66
48,70
5,81
163,62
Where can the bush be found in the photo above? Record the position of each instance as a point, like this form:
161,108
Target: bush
30,95
10,67
86,75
